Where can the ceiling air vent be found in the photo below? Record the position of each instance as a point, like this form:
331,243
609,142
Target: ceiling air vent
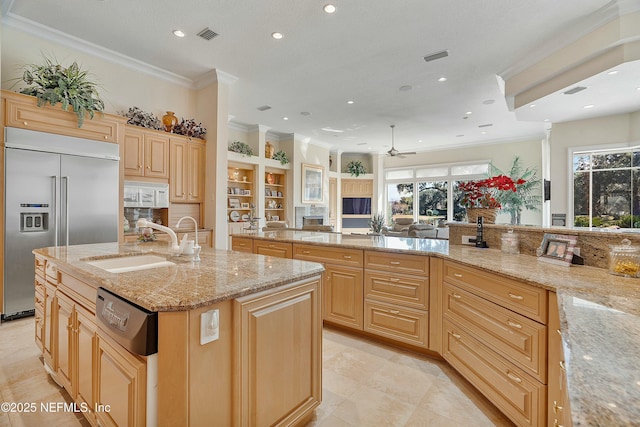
485,126
264,108
436,55
575,90
207,34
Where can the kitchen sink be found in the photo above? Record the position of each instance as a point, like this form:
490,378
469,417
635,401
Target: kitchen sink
123,264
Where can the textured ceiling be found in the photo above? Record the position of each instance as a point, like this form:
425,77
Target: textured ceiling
364,52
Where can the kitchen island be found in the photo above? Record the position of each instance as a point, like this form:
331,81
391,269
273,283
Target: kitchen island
532,333
260,318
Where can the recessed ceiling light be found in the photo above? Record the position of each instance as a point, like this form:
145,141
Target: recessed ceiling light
589,106
277,35
178,33
442,79
638,88
332,130
468,113
285,118
546,120
484,132
532,105
612,72
329,8
351,102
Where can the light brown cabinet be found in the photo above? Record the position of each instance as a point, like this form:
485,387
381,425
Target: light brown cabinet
146,153
558,410
186,170
275,351
275,249
64,317
120,385
241,244
357,187
495,334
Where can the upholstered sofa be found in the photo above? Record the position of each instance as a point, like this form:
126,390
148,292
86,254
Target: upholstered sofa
399,228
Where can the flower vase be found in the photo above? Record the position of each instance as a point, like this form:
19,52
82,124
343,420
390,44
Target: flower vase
169,121
269,150
489,215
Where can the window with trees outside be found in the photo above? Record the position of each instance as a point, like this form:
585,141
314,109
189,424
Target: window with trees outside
436,188
606,188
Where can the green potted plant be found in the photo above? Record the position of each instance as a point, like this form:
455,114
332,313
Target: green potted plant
356,168
241,147
376,223
281,156
70,86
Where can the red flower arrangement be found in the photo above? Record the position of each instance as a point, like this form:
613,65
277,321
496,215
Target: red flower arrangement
482,194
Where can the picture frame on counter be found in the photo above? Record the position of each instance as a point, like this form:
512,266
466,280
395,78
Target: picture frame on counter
557,249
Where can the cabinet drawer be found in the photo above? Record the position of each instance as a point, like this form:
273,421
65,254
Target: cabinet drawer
79,291
51,272
38,299
517,338
39,328
39,285
27,115
410,291
398,323
348,257
519,297
516,394
401,263
276,249
39,265
241,244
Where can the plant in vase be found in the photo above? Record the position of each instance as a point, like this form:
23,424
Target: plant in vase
241,147
281,156
356,168
376,223
485,194
70,86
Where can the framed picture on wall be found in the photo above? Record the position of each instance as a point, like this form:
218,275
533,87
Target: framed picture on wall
312,183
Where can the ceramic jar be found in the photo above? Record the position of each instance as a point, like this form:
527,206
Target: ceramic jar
169,121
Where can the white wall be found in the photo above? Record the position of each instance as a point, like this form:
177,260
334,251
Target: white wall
616,131
120,87
306,152
501,155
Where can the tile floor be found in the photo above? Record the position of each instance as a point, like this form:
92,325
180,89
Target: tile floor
364,384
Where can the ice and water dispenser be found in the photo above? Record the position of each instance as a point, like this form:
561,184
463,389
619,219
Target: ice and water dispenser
33,221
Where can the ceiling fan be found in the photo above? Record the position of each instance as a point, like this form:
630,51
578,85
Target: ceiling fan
393,152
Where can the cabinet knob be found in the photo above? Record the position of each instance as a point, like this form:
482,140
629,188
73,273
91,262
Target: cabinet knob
106,137
148,167
139,166
25,123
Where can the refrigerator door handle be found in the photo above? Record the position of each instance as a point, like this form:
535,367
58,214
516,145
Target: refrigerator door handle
54,210
66,209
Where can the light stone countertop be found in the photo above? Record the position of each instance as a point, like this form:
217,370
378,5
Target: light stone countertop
219,276
599,313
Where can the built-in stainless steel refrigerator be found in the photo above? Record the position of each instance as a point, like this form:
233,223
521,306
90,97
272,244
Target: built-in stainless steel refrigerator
59,191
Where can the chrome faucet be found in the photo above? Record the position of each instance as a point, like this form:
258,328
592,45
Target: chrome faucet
175,248
196,246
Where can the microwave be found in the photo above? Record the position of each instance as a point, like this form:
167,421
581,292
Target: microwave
145,195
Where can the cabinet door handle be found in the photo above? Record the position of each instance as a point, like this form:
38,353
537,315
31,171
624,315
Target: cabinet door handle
306,252
346,256
558,331
456,336
457,275
139,166
456,296
563,366
514,324
394,262
556,407
394,279
394,312
556,423
514,377
514,296
272,245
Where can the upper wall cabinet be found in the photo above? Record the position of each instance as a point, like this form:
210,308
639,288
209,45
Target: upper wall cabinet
22,111
146,153
357,188
186,170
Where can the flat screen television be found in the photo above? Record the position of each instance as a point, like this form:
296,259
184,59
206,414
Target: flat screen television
356,206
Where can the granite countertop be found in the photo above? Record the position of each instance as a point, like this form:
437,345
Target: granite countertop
219,276
599,313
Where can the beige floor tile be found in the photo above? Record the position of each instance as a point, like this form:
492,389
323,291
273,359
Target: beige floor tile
373,408
405,383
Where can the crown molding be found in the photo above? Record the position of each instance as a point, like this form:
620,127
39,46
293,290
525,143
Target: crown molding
28,26
214,76
6,7
241,127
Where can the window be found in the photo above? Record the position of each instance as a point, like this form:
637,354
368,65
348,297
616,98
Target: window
437,190
606,188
